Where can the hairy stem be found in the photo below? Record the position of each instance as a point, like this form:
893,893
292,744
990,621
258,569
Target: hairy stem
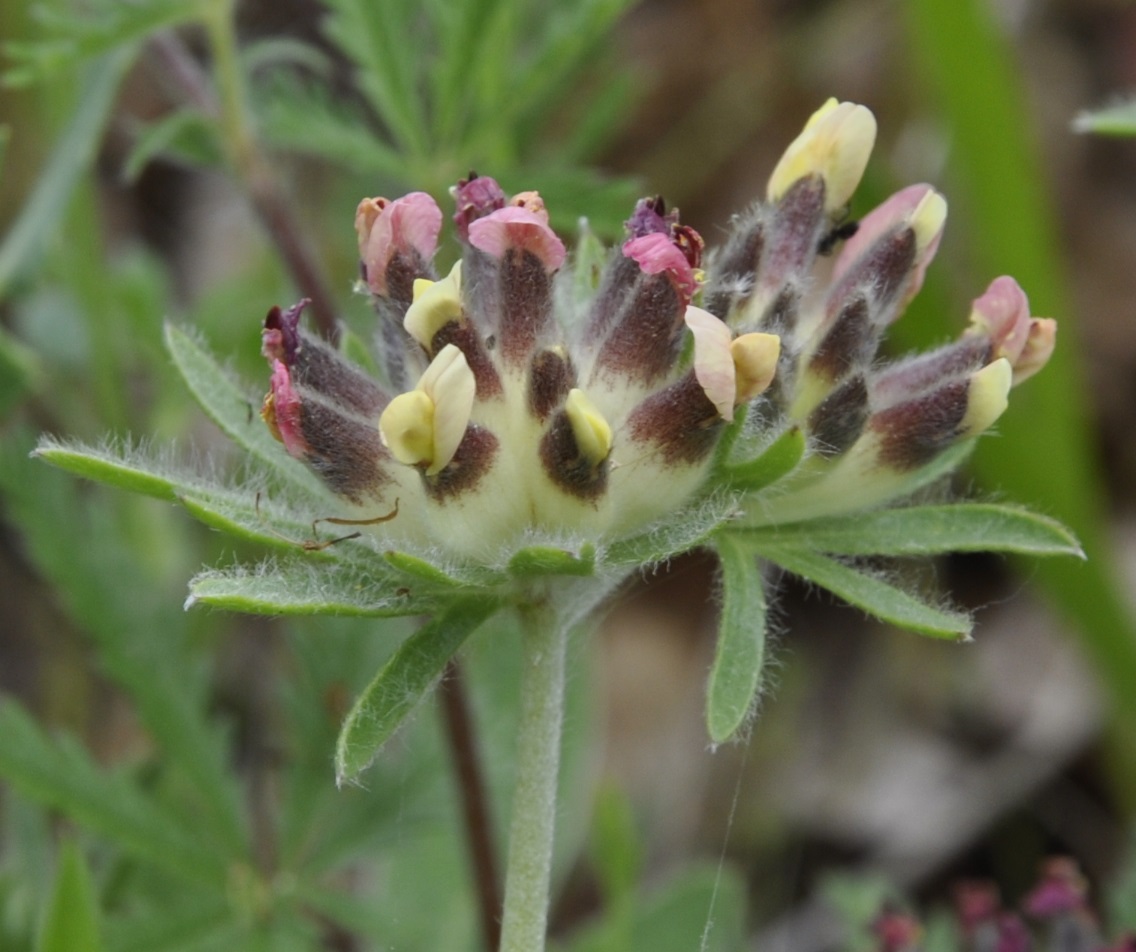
475,812
544,647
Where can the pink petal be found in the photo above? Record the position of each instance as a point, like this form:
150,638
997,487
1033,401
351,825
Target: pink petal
657,253
517,228
1002,313
284,413
407,226
891,214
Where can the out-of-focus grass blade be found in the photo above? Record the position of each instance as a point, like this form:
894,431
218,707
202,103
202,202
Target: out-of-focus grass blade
69,159
998,187
1118,119
72,923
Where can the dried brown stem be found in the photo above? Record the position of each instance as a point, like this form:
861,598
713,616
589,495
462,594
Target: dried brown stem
475,812
260,183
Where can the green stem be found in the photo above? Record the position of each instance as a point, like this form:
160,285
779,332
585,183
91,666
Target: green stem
529,870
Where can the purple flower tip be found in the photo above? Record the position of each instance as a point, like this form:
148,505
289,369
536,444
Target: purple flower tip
475,197
280,339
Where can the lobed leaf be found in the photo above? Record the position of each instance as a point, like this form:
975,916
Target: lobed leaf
739,656
932,530
306,588
401,684
867,592
63,776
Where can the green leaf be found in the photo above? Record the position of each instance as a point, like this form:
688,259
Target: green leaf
931,530
63,776
185,134
779,459
168,689
308,117
1044,455
305,588
72,921
124,468
735,677
376,37
234,410
69,160
1119,119
685,530
21,370
437,578
99,27
868,592
539,560
402,682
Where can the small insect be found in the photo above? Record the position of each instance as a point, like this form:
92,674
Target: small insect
318,545
841,232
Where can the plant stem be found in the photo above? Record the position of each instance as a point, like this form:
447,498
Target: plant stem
229,106
475,811
543,651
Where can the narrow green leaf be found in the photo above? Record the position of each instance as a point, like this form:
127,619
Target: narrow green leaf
539,560
401,683
779,459
21,370
868,592
234,410
70,159
686,530
64,777
123,469
245,514
374,36
932,530
1118,119
735,677
437,578
305,588
186,134
72,921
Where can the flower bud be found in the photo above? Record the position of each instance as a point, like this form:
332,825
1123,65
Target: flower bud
834,145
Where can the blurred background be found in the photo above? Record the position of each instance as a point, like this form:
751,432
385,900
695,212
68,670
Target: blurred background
141,183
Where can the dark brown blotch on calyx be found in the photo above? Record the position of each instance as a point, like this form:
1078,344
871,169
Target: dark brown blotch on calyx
325,371
914,432
645,342
473,459
679,420
566,466
551,376
839,419
346,453
526,304
796,227
735,269
847,343
464,336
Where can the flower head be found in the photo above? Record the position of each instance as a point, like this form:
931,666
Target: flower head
537,413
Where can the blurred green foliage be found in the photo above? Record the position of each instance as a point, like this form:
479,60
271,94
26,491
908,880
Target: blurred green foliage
202,837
